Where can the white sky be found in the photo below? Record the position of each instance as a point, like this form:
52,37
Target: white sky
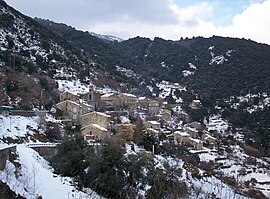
169,19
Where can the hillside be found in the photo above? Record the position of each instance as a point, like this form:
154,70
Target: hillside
218,67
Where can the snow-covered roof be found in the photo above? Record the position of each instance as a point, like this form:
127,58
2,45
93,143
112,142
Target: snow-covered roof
98,113
207,136
152,130
70,92
107,95
69,101
124,119
85,103
99,127
182,133
154,122
129,95
103,114
195,140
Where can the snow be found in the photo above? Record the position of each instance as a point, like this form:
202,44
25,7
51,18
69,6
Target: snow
216,123
124,119
207,156
126,72
229,52
187,73
107,95
73,86
192,66
211,48
106,37
154,122
220,59
18,126
99,127
168,87
163,65
37,178
129,95
182,133
191,71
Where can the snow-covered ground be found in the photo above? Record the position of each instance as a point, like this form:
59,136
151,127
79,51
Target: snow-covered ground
201,188
168,87
73,86
35,177
216,123
191,71
15,126
126,72
236,164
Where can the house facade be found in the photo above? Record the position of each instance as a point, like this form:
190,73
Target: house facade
166,115
196,104
68,96
196,143
95,132
98,118
92,97
73,110
110,100
152,124
181,137
127,99
153,107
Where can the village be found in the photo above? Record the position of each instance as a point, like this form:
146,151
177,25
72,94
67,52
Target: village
101,116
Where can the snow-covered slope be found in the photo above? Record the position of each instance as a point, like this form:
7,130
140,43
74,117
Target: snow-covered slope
15,126
106,37
34,177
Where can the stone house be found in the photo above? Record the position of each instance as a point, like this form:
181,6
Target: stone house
110,100
95,132
210,140
98,118
196,104
197,125
152,124
181,137
116,116
152,131
92,97
153,107
166,115
184,116
68,96
127,99
142,102
191,131
72,110
196,143
126,131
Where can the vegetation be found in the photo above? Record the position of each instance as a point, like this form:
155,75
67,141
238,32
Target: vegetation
113,173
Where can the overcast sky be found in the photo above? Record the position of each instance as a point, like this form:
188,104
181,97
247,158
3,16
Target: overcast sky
169,19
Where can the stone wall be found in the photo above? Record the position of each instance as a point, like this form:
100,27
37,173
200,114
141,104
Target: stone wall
7,154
